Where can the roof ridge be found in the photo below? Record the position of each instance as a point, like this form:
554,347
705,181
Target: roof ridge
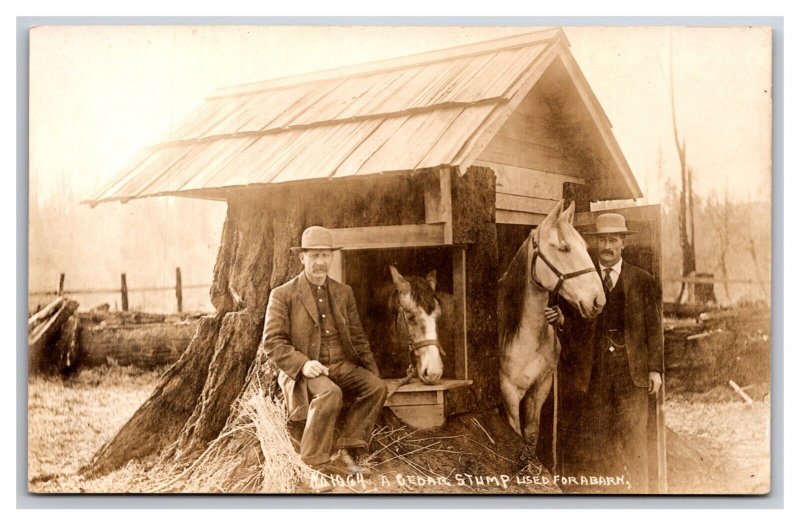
388,64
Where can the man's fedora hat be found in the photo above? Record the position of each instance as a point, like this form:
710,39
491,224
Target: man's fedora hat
316,238
610,223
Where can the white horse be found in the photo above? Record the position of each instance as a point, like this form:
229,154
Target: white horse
552,261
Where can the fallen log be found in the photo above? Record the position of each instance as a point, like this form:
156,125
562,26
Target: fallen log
143,345
67,344
43,330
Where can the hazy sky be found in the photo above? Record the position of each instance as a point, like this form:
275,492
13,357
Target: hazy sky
99,94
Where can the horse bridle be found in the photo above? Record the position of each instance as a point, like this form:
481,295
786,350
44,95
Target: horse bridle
414,347
537,253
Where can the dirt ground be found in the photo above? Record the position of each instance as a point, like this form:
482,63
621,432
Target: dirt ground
718,444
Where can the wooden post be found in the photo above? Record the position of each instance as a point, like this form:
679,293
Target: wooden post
61,284
179,289
460,351
124,292
439,204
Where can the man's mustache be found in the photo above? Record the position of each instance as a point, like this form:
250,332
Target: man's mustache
322,268
606,252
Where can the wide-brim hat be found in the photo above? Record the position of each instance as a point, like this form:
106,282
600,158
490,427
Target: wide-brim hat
316,238
611,223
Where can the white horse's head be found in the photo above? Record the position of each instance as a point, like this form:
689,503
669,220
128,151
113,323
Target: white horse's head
419,310
563,262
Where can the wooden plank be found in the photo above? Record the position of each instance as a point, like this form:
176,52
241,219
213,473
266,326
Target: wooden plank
504,201
516,180
538,129
418,386
460,352
518,217
377,237
413,398
524,154
421,416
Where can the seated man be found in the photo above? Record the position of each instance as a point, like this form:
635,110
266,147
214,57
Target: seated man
314,336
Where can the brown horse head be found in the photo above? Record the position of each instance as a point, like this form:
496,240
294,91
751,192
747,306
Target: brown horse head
418,310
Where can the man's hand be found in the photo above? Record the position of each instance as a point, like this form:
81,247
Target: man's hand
655,382
314,369
554,316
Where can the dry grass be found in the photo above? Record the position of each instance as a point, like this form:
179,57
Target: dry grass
70,419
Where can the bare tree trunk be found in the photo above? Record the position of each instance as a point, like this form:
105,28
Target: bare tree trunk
686,210
754,255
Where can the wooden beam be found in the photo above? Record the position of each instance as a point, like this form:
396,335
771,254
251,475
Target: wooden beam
504,201
460,350
518,217
439,202
517,180
378,237
337,267
515,152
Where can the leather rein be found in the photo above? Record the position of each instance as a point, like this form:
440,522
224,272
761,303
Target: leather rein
538,254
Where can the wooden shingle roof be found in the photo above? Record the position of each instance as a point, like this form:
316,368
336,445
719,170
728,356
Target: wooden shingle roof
400,115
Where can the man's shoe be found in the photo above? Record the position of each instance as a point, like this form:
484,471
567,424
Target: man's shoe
342,459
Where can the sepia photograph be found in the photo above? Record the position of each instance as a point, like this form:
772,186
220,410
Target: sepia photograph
392,259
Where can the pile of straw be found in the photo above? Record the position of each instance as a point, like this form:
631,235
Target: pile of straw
254,453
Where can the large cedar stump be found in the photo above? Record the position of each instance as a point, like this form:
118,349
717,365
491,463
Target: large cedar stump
193,403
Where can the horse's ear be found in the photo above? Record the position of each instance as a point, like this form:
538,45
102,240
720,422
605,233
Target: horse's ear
403,286
431,278
568,215
554,214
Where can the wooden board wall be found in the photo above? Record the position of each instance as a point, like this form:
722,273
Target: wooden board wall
532,160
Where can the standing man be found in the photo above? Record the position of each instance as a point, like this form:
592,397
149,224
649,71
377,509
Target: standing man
314,336
614,362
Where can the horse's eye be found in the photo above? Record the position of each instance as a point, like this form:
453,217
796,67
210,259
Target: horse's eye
563,247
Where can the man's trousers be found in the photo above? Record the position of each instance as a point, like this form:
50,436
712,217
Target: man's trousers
346,381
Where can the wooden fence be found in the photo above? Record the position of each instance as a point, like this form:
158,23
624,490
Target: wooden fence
123,290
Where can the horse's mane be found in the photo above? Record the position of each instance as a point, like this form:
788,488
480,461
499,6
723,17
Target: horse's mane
511,296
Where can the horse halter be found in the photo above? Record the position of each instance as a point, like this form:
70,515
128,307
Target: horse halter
413,346
537,253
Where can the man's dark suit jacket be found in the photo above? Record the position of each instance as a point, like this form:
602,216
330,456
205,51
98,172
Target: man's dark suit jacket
292,335
644,337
